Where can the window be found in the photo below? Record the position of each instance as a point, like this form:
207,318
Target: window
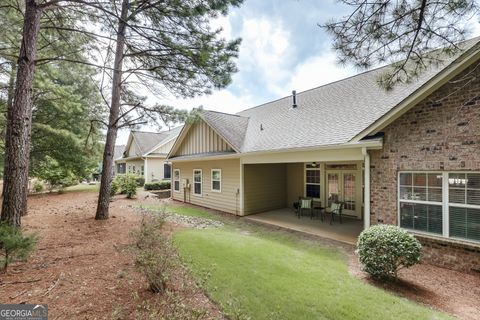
197,182
312,180
421,201
216,180
464,205
143,170
133,169
167,171
176,180
442,203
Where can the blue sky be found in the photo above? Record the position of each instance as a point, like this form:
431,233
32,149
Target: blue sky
283,49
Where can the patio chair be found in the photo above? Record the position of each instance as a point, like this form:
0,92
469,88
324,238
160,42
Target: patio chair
335,209
305,204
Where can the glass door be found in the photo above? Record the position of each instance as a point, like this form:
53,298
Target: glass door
343,186
333,188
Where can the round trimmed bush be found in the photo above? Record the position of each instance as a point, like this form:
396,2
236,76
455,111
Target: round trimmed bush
385,249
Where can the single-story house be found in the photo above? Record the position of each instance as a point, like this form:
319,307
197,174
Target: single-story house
117,155
409,156
145,154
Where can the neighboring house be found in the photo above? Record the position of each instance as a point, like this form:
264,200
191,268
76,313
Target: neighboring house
145,154
409,156
119,166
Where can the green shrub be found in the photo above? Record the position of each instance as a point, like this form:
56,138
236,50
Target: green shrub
14,245
154,253
114,187
140,181
385,249
127,184
160,185
37,186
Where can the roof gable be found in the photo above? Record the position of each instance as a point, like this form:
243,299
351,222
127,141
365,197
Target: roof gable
164,146
200,138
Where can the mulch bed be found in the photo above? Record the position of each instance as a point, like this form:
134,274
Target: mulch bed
82,268
447,290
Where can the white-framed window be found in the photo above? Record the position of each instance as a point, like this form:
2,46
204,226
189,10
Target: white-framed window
197,182
312,180
216,180
176,180
142,170
440,203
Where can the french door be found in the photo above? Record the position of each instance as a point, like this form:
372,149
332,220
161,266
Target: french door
344,186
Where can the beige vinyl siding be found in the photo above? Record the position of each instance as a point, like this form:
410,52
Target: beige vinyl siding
264,186
201,138
154,169
165,148
295,182
228,200
138,166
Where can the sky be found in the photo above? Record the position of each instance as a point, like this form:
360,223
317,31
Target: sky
283,49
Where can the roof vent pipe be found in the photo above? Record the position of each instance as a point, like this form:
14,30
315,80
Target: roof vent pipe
294,96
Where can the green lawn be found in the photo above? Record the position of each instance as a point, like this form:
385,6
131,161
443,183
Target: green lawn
266,275
181,210
81,187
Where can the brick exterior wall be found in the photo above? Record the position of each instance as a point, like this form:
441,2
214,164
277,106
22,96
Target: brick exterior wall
441,133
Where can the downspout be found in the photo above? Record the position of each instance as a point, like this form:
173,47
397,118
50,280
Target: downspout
366,189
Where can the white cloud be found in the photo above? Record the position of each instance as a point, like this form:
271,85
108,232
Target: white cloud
265,51
317,71
223,101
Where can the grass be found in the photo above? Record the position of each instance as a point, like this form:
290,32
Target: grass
180,210
267,275
82,187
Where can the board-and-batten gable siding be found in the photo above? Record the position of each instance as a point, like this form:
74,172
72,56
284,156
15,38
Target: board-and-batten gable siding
228,200
201,138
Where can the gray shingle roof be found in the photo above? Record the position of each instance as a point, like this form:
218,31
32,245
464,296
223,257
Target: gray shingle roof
231,127
146,141
327,115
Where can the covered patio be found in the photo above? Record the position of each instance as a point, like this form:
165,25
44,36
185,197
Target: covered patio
285,218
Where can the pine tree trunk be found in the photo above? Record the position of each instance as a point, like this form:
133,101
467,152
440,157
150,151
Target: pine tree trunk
19,122
105,183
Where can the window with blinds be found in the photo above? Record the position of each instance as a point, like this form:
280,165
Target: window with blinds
441,203
420,200
464,205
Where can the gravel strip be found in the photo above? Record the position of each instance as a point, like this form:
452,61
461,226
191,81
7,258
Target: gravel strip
187,221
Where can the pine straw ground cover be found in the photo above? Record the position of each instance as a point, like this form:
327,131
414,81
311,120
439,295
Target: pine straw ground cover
83,268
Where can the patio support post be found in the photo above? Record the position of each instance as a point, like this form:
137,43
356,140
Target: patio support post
241,189
366,190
